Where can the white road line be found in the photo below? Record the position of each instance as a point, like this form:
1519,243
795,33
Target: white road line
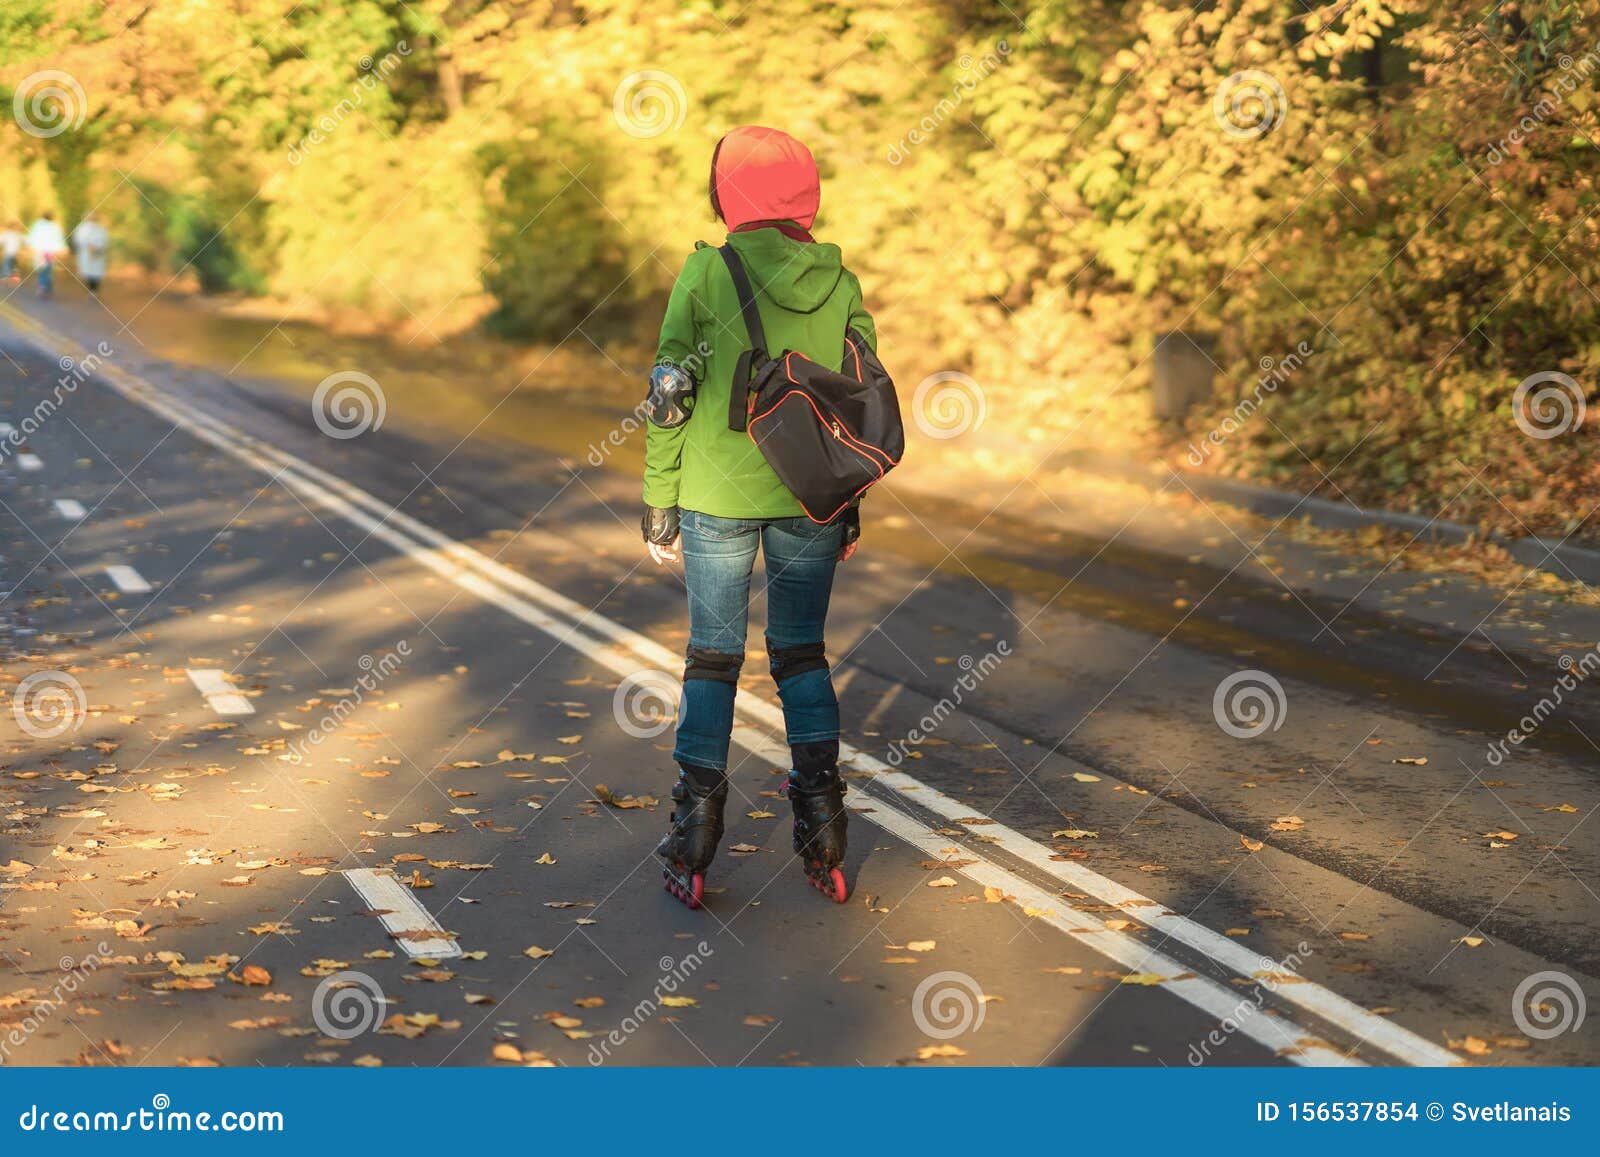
30,462
623,651
402,914
219,693
7,429
128,580
71,508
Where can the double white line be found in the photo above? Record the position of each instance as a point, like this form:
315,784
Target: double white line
759,729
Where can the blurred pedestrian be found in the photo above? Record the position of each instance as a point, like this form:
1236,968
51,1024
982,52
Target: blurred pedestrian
10,248
47,244
89,244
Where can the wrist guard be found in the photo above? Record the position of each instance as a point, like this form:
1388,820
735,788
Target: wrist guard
659,524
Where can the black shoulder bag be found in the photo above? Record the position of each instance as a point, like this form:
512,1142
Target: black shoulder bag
827,435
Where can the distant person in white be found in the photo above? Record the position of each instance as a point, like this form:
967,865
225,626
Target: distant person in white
47,244
89,244
10,247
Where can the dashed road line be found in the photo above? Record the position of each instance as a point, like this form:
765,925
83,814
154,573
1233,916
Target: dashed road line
30,462
412,926
128,580
220,695
70,508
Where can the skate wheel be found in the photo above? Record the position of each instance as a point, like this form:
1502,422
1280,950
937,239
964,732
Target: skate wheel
830,883
691,895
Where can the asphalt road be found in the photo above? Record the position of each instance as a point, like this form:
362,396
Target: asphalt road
1076,865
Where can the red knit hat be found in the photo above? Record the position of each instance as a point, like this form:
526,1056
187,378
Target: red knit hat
761,174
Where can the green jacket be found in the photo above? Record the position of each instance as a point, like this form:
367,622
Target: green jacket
806,297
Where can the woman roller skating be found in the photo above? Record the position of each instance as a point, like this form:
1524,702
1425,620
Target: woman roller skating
711,496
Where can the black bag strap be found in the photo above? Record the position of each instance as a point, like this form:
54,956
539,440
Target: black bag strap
739,395
747,298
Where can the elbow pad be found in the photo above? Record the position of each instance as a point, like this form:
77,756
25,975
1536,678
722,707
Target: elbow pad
671,397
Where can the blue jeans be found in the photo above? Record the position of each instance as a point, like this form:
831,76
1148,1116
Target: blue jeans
718,557
47,278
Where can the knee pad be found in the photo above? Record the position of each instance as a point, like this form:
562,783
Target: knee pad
787,662
716,666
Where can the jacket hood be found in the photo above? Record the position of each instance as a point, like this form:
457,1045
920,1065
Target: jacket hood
761,174
800,276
